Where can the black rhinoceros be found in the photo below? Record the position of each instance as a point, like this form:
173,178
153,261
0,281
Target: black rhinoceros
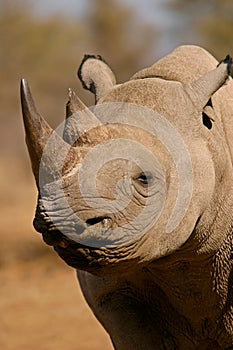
137,194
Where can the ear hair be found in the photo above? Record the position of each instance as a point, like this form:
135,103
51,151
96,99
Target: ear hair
227,60
96,76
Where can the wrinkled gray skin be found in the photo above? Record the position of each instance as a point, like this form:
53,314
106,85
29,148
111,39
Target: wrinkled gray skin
161,291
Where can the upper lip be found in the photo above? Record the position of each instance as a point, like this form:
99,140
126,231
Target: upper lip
54,235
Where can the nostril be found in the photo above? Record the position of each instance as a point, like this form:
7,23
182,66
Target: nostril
105,221
94,221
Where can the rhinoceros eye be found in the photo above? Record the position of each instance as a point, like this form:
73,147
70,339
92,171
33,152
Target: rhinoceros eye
145,178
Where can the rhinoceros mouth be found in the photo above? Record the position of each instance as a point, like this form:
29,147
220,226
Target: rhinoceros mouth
77,255
66,232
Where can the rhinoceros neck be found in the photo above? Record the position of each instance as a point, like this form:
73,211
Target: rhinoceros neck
199,289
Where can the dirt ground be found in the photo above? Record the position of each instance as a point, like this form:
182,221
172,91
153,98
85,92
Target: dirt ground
42,309
41,305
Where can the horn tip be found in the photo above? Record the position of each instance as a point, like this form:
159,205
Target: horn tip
23,84
24,90
70,92
75,100
23,81
74,104
72,95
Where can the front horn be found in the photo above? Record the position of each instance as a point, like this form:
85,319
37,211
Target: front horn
46,148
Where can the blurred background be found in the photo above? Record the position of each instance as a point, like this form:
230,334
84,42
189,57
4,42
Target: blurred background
44,41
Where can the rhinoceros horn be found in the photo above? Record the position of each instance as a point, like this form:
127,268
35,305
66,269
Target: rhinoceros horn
46,148
203,88
79,119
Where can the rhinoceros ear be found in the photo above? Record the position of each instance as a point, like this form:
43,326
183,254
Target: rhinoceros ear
96,76
201,90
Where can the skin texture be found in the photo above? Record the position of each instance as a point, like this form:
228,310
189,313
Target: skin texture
160,290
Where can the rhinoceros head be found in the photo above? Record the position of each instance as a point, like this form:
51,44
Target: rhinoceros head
143,173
